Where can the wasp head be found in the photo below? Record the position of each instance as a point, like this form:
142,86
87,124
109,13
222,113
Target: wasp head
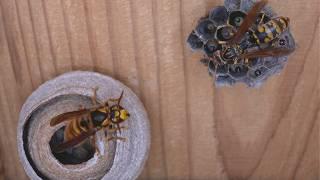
284,21
287,21
118,114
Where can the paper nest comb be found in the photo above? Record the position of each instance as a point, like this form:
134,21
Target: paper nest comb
253,72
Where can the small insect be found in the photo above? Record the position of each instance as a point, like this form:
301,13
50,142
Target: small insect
235,47
240,45
84,123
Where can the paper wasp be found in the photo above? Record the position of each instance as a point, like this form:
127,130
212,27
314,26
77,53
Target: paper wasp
234,40
84,123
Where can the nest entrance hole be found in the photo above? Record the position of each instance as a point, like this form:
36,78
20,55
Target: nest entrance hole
74,155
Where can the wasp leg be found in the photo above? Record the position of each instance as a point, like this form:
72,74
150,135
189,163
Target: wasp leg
113,100
94,97
81,107
116,129
93,142
117,138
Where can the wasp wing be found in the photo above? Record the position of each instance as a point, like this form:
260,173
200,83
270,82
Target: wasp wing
68,116
248,21
75,141
267,53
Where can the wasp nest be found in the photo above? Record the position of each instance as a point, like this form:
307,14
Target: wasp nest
115,160
247,60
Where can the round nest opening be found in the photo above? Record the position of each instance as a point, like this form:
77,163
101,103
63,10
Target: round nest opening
113,159
74,155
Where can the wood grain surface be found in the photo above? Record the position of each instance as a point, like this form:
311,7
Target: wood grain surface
198,131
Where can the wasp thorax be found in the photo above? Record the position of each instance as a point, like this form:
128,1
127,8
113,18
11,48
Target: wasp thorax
98,117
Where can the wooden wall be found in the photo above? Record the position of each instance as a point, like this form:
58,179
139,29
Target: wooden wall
198,131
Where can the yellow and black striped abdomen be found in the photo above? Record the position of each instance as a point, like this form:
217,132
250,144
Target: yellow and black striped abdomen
74,128
267,32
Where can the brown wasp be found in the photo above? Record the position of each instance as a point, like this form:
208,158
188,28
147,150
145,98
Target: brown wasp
84,123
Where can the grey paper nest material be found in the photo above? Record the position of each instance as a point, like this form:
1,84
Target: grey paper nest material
117,160
224,62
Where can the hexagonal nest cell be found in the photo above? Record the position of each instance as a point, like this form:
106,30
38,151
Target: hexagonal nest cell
261,51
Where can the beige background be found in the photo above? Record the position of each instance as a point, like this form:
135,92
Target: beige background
198,131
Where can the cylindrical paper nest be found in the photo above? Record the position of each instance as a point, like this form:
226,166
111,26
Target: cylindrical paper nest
117,159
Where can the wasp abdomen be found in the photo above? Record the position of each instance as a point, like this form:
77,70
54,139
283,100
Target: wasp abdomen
267,32
75,128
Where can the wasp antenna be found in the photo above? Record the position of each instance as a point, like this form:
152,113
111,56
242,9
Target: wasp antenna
120,97
106,132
